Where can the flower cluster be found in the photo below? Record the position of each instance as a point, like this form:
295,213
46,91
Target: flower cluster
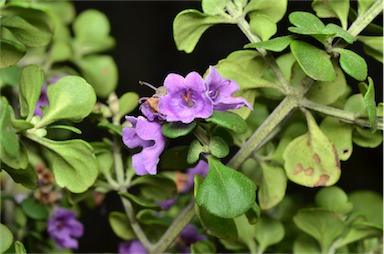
64,228
179,100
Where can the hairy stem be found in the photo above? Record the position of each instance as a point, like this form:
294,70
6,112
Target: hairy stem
273,121
364,20
174,230
345,116
119,170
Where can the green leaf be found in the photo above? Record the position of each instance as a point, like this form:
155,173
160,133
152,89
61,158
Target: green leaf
268,232
25,176
228,120
225,192
65,127
272,186
120,225
73,163
30,26
203,246
333,199
33,209
11,52
369,204
369,100
149,187
175,158
262,26
360,230
363,5
70,98
31,84
365,138
325,226
373,46
91,30
19,248
10,75
277,44
340,134
150,217
10,148
21,125
6,238
339,32
177,129
218,147
306,20
213,7
274,10
104,161
101,72
311,159
214,225
304,244
140,201
113,128
127,103
332,9
328,92
315,62
353,64
189,26
194,150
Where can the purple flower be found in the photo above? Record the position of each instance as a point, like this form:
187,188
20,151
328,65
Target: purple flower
220,90
186,98
188,236
201,169
63,228
132,247
167,203
149,136
150,110
43,100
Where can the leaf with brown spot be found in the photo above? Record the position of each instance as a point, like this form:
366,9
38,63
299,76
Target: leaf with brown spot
311,159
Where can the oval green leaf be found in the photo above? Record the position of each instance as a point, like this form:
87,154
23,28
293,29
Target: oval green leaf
315,62
268,231
11,52
334,199
120,224
177,129
218,147
228,120
225,192
276,44
353,64
6,238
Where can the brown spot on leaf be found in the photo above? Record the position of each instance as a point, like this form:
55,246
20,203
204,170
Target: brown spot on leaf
308,171
298,169
323,179
337,160
316,158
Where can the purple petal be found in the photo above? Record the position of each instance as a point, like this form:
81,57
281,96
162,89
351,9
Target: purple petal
174,82
201,169
132,247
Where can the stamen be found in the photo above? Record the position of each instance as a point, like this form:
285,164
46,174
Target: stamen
187,99
147,84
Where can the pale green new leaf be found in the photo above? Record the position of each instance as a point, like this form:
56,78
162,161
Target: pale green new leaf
121,226
70,98
31,84
275,10
189,26
73,164
268,231
332,9
6,238
363,6
262,26
213,7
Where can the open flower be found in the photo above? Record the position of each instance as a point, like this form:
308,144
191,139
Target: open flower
148,135
132,247
186,98
64,229
220,90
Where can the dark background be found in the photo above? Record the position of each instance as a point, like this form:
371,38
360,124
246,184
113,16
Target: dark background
145,50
